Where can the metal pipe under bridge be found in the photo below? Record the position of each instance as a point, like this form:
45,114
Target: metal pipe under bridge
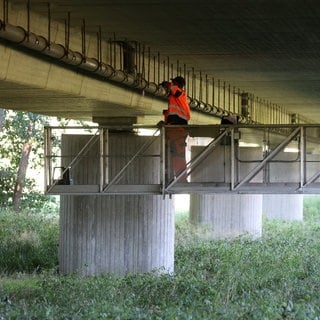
248,159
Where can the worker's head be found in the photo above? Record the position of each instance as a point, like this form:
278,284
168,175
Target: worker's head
179,81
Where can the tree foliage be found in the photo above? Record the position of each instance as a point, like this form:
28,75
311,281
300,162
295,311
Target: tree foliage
19,129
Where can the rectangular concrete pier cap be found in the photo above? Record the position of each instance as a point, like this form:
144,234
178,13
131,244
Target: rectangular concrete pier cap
115,121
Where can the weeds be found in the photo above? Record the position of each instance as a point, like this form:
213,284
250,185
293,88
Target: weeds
28,242
275,277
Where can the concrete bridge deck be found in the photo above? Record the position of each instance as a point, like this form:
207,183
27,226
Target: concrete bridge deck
51,67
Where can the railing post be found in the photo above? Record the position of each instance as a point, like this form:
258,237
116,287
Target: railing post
302,156
163,159
232,156
47,156
106,155
102,157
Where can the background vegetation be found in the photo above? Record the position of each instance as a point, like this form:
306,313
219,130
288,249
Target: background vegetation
21,157
21,151
275,277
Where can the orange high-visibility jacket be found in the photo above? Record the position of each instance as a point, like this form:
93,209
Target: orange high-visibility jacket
178,102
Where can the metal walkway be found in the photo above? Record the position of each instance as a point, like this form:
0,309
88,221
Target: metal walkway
252,159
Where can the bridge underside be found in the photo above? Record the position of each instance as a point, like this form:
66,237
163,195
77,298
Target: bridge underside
253,159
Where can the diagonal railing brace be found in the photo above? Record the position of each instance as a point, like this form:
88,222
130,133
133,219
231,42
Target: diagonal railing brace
144,147
193,162
259,167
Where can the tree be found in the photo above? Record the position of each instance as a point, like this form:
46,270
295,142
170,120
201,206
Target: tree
22,170
1,118
22,134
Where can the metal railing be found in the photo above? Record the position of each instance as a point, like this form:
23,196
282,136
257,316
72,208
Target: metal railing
219,158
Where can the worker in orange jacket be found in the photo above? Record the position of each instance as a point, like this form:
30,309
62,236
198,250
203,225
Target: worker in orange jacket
178,113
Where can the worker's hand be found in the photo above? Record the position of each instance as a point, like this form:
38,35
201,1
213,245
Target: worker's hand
160,124
164,84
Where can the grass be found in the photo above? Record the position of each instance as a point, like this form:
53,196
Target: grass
275,277
29,241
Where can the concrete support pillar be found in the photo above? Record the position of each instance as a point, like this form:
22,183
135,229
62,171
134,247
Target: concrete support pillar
113,233
283,206
227,215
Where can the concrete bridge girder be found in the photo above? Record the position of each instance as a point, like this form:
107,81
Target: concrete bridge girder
58,91
79,97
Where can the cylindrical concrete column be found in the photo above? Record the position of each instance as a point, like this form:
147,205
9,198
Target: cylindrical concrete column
283,206
227,215
115,233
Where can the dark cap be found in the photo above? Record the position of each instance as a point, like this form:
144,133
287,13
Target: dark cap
179,80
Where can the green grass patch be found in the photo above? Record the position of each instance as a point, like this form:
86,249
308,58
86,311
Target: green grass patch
274,277
28,241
